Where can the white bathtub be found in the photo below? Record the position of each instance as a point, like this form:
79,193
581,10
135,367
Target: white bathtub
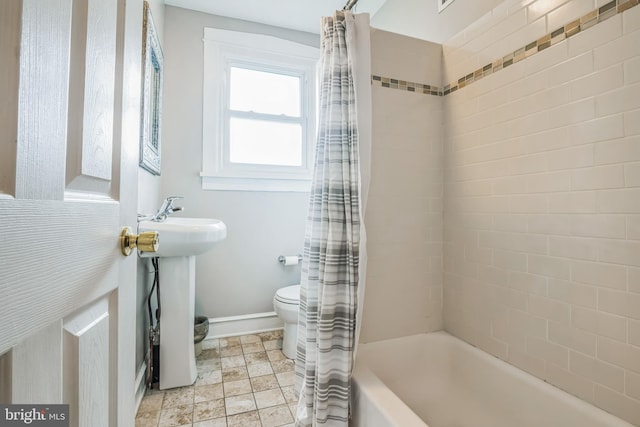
437,380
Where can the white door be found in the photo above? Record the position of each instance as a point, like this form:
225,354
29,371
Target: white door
69,131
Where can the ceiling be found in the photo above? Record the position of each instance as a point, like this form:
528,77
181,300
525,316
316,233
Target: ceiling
414,18
302,15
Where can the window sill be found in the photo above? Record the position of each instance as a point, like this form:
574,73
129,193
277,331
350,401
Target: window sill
210,182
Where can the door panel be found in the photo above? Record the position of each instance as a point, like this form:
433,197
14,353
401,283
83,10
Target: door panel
49,268
70,118
42,99
91,97
86,370
36,378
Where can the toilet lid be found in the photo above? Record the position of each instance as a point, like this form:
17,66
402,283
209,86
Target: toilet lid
289,294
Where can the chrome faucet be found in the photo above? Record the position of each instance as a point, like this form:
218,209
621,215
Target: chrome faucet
164,211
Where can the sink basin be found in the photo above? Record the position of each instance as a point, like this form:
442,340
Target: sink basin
182,237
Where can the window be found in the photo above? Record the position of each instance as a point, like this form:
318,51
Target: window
258,112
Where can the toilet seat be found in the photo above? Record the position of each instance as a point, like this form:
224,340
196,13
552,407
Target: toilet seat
288,295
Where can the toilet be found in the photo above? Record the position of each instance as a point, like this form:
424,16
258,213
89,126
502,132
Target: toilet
286,304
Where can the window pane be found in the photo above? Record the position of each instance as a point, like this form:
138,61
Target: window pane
263,92
265,143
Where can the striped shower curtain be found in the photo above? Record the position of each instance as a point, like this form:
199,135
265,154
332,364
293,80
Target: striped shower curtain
334,255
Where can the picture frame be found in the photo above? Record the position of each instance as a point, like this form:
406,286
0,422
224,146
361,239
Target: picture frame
151,105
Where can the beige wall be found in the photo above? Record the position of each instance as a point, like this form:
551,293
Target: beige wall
404,212
542,200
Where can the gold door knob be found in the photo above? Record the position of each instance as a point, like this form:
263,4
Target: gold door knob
149,241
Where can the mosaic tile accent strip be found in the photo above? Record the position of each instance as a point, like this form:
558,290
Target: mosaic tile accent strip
405,85
572,28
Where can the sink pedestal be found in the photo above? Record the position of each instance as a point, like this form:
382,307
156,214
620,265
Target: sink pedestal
177,300
181,239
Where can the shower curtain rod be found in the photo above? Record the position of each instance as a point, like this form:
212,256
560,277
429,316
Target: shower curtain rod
350,4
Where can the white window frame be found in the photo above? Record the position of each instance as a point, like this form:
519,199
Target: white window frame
224,49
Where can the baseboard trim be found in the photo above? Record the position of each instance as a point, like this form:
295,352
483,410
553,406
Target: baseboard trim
220,327
141,385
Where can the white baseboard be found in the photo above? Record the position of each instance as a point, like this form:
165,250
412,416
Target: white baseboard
220,327
141,384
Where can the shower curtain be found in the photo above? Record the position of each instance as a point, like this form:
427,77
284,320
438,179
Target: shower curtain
334,263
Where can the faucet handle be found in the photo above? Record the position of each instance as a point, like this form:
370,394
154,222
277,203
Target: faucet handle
168,202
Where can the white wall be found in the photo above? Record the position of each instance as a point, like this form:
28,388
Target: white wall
242,274
542,200
420,18
404,213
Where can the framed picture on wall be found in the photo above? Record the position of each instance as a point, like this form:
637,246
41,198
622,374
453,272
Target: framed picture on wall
152,75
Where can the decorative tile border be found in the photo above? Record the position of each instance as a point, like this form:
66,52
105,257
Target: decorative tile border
405,85
572,28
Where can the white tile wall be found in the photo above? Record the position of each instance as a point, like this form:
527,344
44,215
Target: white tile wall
404,212
542,201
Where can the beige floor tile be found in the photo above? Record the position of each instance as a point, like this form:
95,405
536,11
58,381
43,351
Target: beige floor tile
274,355
235,388
284,365
253,358
238,404
289,393
271,335
286,378
248,419
210,343
148,419
178,396
255,347
176,416
234,374
232,361
211,353
265,382
218,422
208,392
275,416
259,369
248,339
273,344
151,402
267,398
247,378
208,410
234,350
209,377
205,365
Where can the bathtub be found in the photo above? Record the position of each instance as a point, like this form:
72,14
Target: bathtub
437,380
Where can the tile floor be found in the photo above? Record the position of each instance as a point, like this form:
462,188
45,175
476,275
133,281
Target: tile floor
243,381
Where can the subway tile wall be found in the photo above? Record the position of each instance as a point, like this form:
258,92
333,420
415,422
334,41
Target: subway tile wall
404,211
542,199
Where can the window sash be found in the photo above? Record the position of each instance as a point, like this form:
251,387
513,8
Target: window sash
224,49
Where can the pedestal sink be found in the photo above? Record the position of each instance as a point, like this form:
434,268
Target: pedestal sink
181,239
